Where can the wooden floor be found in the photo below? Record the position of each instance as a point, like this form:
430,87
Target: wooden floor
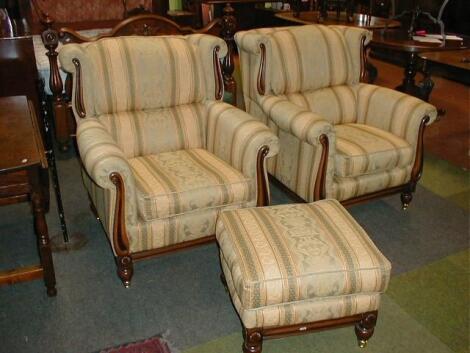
448,138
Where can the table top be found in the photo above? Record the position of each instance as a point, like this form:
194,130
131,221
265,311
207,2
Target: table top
20,141
454,58
398,40
360,20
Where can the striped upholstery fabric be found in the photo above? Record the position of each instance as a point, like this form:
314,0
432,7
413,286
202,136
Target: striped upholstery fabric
173,183
336,104
312,88
303,58
143,132
156,233
392,111
137,73
348,188
286,261
363,149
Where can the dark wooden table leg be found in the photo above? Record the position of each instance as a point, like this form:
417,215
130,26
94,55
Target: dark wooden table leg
40,227
408,85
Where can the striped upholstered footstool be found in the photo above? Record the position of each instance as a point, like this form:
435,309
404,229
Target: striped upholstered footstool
300,267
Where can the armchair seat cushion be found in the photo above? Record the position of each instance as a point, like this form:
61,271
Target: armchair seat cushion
173,183
363,149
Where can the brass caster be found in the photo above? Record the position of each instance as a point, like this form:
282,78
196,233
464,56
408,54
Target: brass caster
362,343
127,284
405,206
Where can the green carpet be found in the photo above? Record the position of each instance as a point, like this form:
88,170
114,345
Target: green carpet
446,180
425,310
437,295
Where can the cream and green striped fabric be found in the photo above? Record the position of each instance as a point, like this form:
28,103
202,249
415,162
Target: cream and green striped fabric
131,73
304,58
350,187
363,149
173,183
236,137
156,233
286,262
151,131
392,111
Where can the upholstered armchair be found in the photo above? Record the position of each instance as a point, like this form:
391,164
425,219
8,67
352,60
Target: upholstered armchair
339,138
161,154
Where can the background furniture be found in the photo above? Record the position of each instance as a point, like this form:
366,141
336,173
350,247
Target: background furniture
340,138
22,168
161,154
296,268
454,64
358,20
397,41
20,77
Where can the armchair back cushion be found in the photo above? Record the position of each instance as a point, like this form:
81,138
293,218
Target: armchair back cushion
305,58
136,73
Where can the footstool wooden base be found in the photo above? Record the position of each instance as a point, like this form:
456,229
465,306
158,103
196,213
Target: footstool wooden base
364,327
293,269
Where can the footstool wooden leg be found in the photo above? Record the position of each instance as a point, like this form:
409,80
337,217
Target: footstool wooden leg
253,341
365,328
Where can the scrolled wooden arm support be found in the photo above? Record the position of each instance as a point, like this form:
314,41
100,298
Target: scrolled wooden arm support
125,266
262,196
320,181
120,240
219,83
417,170
261,85
79,106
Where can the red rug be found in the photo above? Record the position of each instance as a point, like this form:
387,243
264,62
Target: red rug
150,345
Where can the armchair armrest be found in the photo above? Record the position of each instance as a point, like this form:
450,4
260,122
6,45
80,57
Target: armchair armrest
301,123
393,111
101,157
239,139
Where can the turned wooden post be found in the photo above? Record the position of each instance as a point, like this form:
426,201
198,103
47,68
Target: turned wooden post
50,38
229,26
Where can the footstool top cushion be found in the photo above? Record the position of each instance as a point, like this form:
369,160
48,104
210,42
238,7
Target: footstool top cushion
295,252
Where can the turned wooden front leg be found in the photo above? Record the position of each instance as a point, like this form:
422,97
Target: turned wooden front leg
40,227
253,341
365,328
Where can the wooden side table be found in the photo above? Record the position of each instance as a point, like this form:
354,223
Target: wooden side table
23,165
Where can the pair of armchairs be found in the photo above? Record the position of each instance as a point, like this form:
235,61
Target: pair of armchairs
162,156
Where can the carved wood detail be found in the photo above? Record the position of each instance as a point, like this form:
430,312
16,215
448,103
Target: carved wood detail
320,181
120,240
219,84
364,328
79,106
262,71
229,27
262,197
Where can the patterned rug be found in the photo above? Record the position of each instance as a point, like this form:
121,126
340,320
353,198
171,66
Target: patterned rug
150,345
